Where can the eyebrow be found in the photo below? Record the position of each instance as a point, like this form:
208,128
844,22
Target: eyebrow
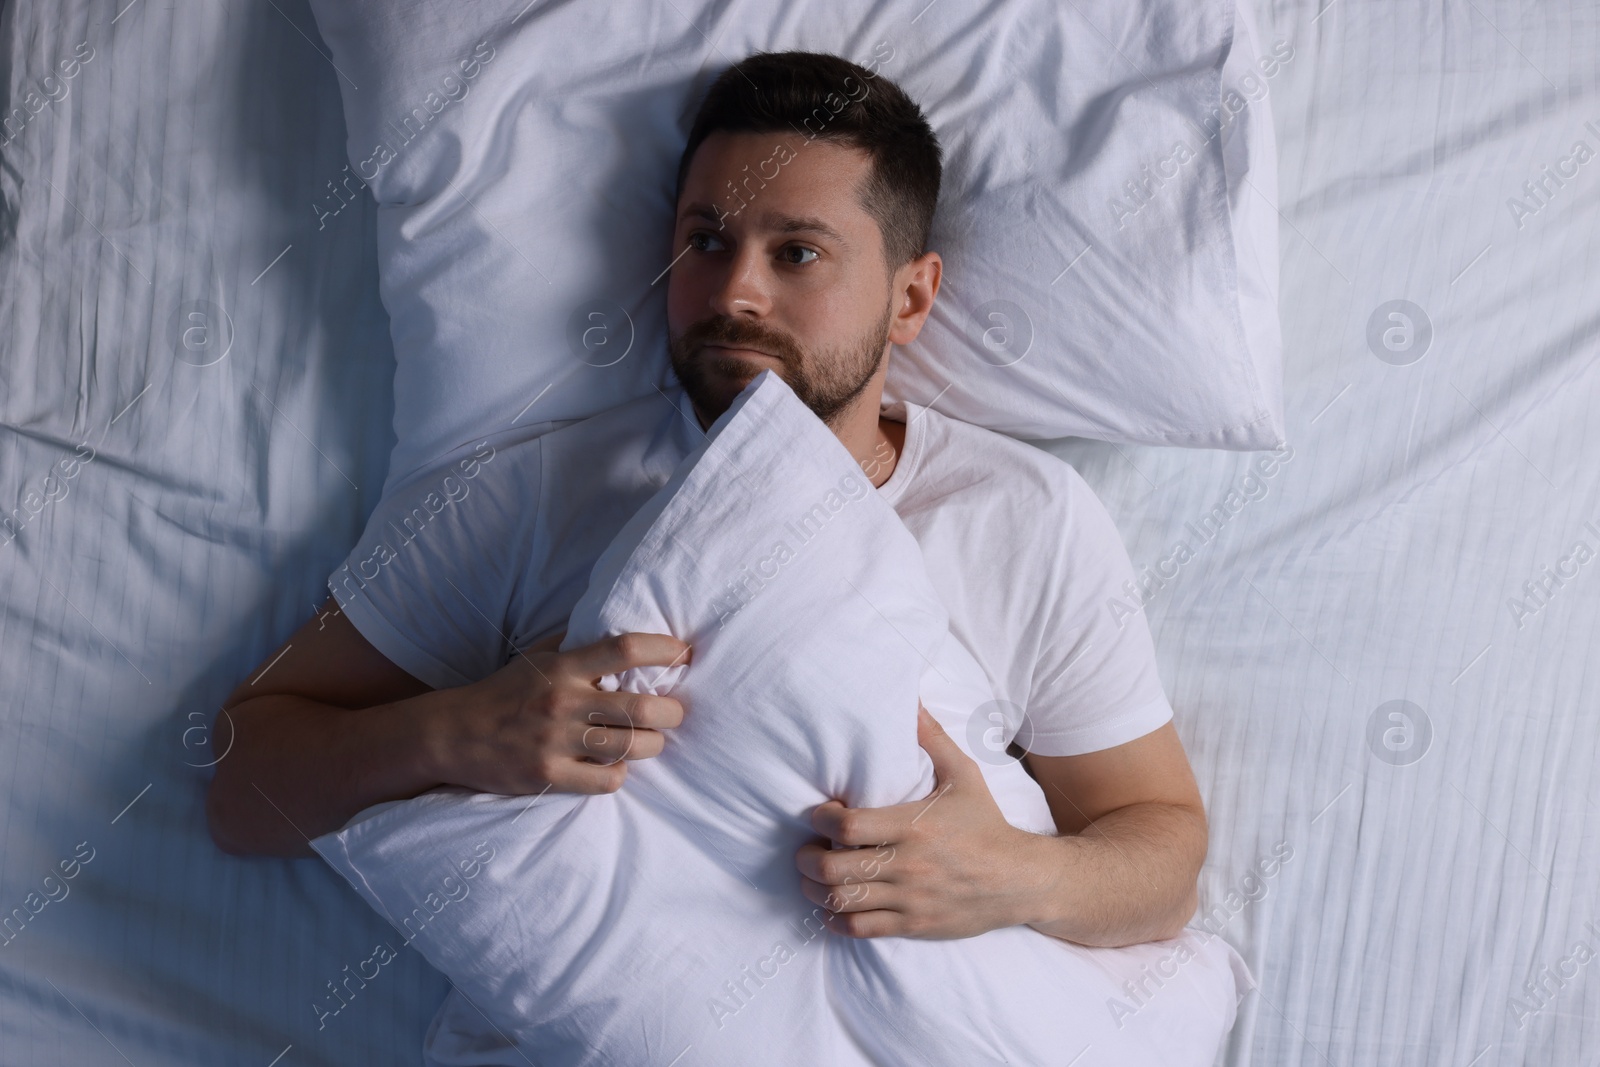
779,222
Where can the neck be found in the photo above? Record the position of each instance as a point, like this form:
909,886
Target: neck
873,440
893,436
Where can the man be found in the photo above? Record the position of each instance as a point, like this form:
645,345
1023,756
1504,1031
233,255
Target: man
805,197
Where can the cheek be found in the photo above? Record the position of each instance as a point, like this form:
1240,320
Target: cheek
837,314
681,292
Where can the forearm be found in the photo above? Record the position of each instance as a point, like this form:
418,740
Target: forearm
295,769
1127,878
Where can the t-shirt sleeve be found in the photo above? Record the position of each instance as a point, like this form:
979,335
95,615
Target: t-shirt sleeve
431,582
1095,684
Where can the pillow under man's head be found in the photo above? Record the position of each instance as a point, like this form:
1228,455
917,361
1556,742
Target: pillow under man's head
806,192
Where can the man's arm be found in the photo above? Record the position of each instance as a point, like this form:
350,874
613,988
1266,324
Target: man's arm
1122,870
327,726
1133,838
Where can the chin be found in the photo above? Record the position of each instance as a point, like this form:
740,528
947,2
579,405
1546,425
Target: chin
730,372
713,381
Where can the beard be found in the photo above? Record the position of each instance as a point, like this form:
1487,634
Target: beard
826,382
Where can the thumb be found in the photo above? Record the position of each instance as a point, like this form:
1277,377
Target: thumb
949,762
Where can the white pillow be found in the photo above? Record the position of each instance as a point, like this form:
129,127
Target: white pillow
628,928
1106,219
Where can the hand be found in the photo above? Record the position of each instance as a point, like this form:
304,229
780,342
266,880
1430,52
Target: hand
542,723
945,867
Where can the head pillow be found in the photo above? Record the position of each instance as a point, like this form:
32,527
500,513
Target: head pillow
1106,220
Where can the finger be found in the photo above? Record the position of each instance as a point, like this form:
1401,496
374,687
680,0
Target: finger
591,779
844,899
862,826
551,643
639,710
608,744
864,924
613,655
950,764
808,860
647,744
835,866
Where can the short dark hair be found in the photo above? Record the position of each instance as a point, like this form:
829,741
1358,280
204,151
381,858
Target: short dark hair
791,91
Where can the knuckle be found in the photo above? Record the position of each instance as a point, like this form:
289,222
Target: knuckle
645,744
547,767
543,667
634,708
657,711
563,702
628,646
538,669
554,662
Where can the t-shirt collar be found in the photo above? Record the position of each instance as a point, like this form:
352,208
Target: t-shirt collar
900,411
910,451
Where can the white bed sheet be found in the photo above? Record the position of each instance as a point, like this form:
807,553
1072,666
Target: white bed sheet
184,157
1378,564
1417,899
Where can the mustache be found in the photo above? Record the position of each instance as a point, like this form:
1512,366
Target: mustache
736,334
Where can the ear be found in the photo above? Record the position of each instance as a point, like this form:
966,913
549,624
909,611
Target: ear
913,290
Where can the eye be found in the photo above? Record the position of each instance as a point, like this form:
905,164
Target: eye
698,235
799,248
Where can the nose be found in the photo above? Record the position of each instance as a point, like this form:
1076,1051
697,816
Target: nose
746,287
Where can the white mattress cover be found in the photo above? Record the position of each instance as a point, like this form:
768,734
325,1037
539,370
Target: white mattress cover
229,477
1378,566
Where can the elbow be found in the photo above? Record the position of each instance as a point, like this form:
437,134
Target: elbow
239,826
1188,902
229,812
232,817
1178,922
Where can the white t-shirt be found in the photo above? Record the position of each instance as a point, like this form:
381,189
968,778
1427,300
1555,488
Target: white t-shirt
458,569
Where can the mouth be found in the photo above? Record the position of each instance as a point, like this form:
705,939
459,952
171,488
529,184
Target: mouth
746,353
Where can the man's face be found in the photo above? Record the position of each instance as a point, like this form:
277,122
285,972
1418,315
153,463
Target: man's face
782,270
